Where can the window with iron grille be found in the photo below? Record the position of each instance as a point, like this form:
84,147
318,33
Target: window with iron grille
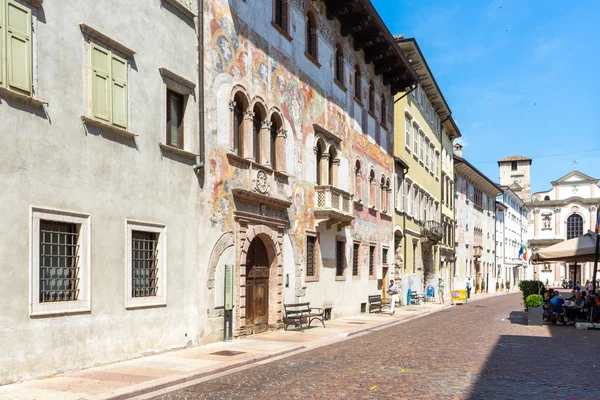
144,264
574,226
355,256
384,255
310,255
371,260
339,258
59,261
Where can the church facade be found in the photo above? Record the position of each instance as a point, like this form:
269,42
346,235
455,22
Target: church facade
564,212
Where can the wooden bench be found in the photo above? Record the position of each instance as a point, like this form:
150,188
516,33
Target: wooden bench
299,314
376,303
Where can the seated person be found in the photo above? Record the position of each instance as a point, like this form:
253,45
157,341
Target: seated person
578,307
551,293
557,307
547,306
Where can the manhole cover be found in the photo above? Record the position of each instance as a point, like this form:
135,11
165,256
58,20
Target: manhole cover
227,353
357,323
512,345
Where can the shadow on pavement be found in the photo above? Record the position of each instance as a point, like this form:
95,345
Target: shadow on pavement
525,367
518,317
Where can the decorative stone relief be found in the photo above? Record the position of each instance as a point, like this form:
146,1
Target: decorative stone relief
547,220
325,31
261,183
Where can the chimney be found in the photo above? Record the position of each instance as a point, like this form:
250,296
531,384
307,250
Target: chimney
458,149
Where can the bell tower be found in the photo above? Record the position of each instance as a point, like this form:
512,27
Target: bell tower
515,173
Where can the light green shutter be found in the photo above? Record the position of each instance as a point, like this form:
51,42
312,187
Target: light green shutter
18,47
119,91
2,24
100,60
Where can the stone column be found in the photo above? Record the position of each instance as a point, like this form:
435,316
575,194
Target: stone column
264,143
335,164
324,163
280,151
247,141
557,222
592,220
536,222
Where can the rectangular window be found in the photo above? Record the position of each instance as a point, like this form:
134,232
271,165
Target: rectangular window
109,96
407,133
421,147
60,262
355,258
414,258
59,268
175,110
339,258
513,165
15,47
427,158
371,260
415,141
384,255
144,260
146,265
410,197
310,255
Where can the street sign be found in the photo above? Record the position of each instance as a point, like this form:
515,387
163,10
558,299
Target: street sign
229,287
457,296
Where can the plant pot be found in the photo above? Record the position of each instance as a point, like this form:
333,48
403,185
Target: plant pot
535,316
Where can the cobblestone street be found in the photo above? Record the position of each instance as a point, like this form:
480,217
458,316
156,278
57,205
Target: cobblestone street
480,351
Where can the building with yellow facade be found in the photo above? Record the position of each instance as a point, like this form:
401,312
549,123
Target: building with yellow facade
418,147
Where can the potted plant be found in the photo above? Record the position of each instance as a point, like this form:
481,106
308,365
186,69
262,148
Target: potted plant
535,312
502,286
498,286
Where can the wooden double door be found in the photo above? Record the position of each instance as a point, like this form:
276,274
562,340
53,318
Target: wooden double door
257,287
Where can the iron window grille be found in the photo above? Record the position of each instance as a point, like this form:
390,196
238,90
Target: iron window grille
371,260
59,261
339,258
144,262
574,226
384,256
355,259
310,255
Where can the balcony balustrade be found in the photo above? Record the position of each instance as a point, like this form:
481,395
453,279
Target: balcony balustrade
432,231
334,206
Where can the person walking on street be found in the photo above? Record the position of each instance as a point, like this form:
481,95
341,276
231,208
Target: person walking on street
394,293
468,287
441,290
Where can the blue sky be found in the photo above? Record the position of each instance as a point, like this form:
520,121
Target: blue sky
521,77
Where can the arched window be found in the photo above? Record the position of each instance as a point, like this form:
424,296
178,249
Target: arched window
371,97
238,108
318,158
546,198
372,190
388,192
311,35
357,83
257,125
357,181
382,193
339,63
384,115
333,164
574,226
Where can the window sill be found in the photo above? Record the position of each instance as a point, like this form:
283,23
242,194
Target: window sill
356,277
136,304
312,59
23,98
356,99
372,277
239,159
340,85
108,127
340,277
281,174
175,150
282,31
58,311
311,279
383,125
180,7
372,114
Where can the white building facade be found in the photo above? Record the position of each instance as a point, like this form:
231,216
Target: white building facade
566,211
100,197
475,230
511,234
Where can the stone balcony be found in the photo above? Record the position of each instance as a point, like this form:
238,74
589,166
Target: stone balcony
432,231
334,206
477,251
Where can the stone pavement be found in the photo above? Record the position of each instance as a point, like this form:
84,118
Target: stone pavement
141,375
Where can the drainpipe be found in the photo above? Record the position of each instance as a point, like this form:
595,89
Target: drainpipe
200,162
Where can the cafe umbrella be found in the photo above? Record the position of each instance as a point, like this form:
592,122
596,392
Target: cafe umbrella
580,249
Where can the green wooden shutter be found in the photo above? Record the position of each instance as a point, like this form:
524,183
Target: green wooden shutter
119,91
100,60
18,47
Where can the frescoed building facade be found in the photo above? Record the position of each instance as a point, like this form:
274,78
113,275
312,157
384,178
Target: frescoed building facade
566,211
475,225
299,142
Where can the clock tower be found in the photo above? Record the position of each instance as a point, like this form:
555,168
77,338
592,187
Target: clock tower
515,174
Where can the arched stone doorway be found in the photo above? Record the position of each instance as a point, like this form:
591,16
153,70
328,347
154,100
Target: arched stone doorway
257,286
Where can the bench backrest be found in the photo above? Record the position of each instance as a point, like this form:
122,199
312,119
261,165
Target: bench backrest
375,299
296,308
